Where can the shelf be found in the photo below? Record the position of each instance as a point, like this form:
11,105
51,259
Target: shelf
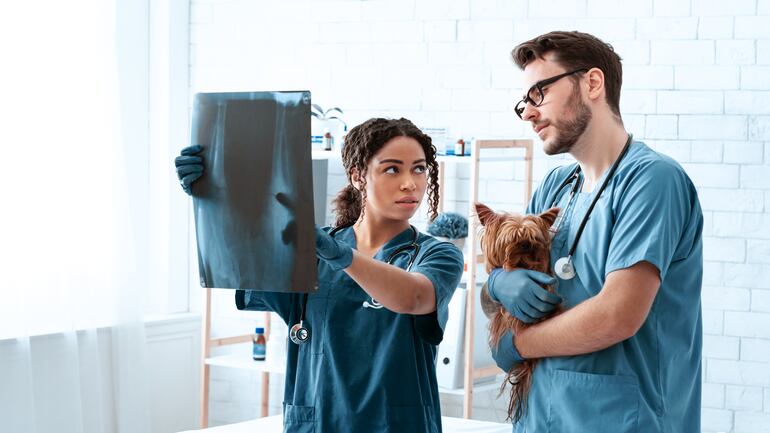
334,154
481,278
245,362
467,159
326,154
481,387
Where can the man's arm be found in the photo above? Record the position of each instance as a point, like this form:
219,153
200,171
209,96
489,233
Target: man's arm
614,315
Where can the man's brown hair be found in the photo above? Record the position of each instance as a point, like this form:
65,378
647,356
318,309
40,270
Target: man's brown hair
576,50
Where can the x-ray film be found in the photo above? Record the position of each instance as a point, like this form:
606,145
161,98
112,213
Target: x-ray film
254,203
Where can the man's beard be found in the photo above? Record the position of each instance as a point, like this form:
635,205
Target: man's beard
568,132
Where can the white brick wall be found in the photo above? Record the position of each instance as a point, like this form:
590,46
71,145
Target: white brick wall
706,77
696,87
743,398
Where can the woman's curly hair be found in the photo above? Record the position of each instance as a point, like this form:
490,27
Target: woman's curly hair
361,143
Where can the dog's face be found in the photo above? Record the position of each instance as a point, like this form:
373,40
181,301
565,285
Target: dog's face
511,241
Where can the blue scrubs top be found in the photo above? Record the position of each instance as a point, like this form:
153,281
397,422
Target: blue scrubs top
364,369
650,382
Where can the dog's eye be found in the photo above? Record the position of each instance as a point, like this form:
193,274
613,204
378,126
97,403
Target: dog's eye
525,246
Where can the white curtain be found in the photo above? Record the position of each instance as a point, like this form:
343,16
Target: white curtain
74,216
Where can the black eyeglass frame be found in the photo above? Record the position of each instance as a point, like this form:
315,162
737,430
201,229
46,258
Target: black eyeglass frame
520,106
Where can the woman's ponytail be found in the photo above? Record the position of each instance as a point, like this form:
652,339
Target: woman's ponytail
347,206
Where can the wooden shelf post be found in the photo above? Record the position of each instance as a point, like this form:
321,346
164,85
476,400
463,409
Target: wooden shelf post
207,343
470,305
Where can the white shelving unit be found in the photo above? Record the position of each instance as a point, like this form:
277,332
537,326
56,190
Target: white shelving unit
483,387
230,360
238,360
471,373
326,154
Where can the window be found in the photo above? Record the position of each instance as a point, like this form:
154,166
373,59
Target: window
94,106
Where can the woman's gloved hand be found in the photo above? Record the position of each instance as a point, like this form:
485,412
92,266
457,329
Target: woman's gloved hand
336,254
189,167
520,293
505,354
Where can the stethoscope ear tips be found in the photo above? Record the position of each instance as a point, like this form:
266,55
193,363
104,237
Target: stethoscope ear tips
374,304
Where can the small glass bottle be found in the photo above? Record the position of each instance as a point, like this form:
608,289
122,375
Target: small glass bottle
328,139
460,147
259,345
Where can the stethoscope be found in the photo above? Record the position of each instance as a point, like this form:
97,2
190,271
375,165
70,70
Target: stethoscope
300,334
564,268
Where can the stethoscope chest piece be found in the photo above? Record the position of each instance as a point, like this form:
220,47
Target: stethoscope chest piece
564,268
299,334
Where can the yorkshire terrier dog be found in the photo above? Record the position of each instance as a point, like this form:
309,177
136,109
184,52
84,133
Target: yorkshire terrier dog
512,241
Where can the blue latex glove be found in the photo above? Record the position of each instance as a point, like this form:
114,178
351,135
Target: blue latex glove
520,293
189,167
336,254
505,354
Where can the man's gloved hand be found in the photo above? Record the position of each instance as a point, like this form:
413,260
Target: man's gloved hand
505,354
189,167
336,254
520,293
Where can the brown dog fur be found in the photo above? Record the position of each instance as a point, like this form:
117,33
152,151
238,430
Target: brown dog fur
512,241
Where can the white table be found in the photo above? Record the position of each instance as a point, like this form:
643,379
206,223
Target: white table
274,424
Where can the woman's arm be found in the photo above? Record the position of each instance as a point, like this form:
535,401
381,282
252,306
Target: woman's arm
396,289
437,270
255,300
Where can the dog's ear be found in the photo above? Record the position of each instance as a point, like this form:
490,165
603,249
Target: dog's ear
549,216
484,213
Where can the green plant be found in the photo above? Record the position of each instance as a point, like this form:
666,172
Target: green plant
318,112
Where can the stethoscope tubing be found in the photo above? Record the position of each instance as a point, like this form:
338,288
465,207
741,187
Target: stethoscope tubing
577,179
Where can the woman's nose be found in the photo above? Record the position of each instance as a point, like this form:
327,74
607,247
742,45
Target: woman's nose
409,184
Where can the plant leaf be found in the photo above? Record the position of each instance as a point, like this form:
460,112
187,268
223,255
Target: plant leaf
333,109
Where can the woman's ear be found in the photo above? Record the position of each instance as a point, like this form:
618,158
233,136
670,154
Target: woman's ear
355,179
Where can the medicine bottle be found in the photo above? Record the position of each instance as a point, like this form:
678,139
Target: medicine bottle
259,345
328,140
460,147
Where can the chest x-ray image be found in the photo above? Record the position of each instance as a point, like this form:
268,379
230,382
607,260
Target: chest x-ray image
254,203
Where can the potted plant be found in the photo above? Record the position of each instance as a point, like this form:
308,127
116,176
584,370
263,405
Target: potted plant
325,120
450,227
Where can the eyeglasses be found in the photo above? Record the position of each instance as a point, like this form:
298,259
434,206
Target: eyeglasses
535,94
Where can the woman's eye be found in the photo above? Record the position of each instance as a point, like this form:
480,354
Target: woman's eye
391,170
420,169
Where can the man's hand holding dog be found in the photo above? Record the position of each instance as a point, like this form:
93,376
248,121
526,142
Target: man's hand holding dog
520,293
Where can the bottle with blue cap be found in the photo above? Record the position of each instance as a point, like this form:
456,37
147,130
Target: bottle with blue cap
259,345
